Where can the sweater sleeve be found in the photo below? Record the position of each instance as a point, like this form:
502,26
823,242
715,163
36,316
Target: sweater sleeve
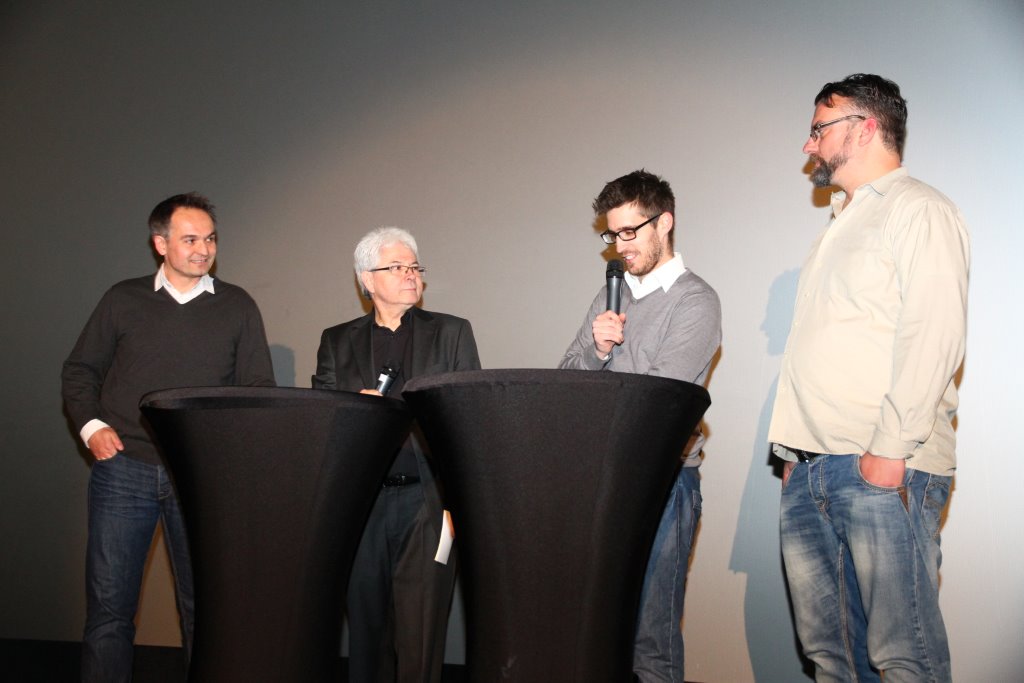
581,354
86,367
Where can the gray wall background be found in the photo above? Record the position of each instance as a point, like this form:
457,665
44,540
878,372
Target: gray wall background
486,129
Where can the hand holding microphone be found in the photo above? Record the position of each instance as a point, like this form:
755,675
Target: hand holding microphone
608,327
386,377
613,274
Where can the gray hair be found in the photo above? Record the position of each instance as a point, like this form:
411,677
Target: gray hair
367,252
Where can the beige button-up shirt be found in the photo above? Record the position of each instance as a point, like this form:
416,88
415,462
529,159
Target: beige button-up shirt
878,330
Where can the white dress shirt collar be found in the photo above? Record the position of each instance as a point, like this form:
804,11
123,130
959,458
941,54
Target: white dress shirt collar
205,284
664,276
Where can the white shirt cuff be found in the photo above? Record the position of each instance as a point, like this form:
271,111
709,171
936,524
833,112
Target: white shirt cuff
90,428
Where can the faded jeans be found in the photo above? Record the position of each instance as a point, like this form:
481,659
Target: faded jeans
862,562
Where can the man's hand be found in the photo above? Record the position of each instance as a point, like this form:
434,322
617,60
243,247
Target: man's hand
607,329
371,392
882,471
105,444
787,469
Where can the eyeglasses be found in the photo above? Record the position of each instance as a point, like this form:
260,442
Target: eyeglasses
626,234
818,127
400,269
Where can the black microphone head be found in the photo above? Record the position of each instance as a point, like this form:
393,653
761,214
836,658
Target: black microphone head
614,279
386,376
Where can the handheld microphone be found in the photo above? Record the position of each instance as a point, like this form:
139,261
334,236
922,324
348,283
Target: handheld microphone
614,276
386,376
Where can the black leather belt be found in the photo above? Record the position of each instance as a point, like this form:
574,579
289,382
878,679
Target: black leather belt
805,456
400,480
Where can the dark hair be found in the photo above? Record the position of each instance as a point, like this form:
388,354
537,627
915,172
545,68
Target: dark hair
652,195
160,217
877,97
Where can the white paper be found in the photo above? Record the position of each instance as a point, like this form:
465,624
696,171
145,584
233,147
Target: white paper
444,544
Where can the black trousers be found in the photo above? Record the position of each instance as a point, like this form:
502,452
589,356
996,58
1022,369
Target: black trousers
398,596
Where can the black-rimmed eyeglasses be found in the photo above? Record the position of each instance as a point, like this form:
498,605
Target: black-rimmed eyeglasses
822,125
626,234
400,269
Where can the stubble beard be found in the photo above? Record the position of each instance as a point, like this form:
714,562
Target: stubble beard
651,260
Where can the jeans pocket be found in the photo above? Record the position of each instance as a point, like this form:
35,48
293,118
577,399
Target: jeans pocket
936,493
696,502
785,478
900,490
860,475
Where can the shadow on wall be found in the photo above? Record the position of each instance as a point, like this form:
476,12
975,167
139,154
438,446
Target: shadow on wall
758,522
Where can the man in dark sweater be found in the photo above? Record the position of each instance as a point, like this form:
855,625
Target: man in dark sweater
670,325
178,328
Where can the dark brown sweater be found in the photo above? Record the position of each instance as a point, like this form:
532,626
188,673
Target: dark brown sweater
139,340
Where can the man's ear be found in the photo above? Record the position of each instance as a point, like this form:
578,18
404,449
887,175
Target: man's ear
160,244
664,225
366,278
868,131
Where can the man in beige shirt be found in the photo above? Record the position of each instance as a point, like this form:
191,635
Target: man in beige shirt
866,399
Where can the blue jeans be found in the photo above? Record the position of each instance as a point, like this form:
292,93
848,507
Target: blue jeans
658,648
862,562
126,499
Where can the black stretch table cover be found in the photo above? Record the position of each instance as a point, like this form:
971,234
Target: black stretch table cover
275,486
556,480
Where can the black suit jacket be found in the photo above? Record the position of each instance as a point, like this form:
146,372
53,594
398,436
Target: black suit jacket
440,343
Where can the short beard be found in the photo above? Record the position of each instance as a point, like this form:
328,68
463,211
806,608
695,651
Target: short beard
821,175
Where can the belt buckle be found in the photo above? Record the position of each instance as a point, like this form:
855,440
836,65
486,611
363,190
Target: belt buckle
399,480
804,456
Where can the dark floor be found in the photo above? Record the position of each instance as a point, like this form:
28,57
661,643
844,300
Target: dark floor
43,661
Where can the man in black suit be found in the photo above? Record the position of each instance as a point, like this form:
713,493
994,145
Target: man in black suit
398,596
